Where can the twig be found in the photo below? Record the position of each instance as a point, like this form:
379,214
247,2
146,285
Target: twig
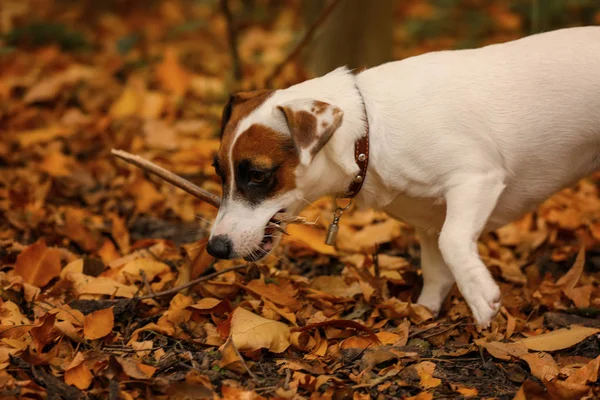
244,362
145,281
303,42
190,283
168,176
232,37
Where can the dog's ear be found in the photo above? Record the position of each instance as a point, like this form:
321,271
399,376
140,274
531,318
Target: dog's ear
311,125
241,97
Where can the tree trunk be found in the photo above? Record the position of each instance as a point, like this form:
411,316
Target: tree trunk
359,33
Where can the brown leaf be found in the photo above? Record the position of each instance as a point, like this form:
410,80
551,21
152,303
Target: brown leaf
98,324
503,351
558,339
42,333
570,279
135,369
38,264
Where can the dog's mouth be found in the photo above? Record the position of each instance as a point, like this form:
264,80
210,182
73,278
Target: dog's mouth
268,242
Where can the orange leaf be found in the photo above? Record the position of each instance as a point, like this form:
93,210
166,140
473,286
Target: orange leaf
98,324
77,373
171,75
38,264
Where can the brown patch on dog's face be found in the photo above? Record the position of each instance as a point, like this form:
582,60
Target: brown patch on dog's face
239,106
267,154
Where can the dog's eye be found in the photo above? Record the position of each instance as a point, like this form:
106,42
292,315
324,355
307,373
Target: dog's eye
258,177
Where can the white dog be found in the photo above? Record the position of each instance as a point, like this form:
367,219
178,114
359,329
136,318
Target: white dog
461,142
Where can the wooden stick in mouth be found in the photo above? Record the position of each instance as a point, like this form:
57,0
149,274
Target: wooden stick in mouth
192,189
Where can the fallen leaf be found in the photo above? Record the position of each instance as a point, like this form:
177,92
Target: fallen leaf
282,293
38,264
558,339
135,369
425,370
78,374
98,324
309,236
542,365
252,332
503,351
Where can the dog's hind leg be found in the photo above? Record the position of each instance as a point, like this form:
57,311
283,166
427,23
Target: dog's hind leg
469,206
437,277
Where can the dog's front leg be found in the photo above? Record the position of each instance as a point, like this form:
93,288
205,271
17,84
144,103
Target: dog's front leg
469,206
437,277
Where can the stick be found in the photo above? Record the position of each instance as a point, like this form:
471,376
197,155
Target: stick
303,42
190,283
232,37
168,176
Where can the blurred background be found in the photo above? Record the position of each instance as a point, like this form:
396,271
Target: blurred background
79,77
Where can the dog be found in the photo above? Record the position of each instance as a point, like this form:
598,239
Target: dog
461,142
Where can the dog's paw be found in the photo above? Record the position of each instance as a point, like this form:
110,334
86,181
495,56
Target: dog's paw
482,295
433,301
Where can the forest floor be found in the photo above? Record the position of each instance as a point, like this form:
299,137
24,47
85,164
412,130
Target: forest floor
94,252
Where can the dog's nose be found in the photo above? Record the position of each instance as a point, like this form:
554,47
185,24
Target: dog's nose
220,247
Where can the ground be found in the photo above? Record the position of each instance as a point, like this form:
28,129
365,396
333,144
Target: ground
106,290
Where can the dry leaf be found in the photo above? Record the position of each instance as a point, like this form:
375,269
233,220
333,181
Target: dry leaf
558,339
98,324
252,332
78,374
503,351
542,365
38,264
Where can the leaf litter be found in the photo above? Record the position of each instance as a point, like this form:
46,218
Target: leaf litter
91,247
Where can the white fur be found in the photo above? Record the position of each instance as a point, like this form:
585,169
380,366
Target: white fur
462,142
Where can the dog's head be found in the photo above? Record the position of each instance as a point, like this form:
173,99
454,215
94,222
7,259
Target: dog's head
270,144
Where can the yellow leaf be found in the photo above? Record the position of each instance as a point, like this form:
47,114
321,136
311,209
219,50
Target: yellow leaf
130,100
38,264
558,339
85,284
98,324
311,237
252,332
150,267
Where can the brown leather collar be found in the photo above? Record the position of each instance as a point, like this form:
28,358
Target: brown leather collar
361,156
